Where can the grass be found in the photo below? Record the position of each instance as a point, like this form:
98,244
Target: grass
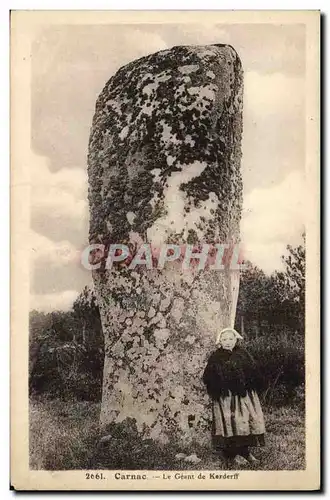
64,436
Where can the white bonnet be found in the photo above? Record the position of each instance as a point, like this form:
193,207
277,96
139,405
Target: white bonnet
232,330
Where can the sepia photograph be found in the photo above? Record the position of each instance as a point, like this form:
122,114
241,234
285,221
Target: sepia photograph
165,187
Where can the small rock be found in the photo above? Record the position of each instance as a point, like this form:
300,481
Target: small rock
180,456
192,459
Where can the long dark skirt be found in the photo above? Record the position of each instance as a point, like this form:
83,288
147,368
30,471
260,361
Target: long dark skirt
238,422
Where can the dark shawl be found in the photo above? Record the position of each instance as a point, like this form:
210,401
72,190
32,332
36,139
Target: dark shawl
235,371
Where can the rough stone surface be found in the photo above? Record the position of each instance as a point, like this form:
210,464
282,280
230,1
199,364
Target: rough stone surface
164,167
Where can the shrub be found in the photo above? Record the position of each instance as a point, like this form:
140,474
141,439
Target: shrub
67,370
282,364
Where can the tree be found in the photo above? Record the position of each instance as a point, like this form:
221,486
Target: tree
277,302
66,350
90,335
87,315
291,284
256,300
39,328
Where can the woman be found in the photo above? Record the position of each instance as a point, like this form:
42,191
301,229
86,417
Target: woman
232,380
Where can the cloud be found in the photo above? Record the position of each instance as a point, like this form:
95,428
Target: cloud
270,48
141,43
59,226
273,218
52,253
194,34
63,191
59,207
54,301
273,92
70,67
273,128
56,267
264,48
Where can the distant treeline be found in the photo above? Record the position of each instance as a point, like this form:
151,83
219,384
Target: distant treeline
273,305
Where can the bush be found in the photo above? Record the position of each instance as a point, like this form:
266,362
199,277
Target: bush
282,364
67,370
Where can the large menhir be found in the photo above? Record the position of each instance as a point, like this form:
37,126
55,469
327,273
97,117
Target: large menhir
164,167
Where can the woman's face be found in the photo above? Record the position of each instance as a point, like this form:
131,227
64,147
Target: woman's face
228,340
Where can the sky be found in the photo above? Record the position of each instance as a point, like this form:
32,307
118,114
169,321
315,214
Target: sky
70,66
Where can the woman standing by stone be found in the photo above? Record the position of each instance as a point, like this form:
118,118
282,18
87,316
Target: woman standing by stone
232,380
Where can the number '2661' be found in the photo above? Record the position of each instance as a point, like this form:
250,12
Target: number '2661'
94,476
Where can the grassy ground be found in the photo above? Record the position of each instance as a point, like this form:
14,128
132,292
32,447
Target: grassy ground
63,436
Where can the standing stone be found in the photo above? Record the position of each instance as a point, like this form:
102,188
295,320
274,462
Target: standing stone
164,167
